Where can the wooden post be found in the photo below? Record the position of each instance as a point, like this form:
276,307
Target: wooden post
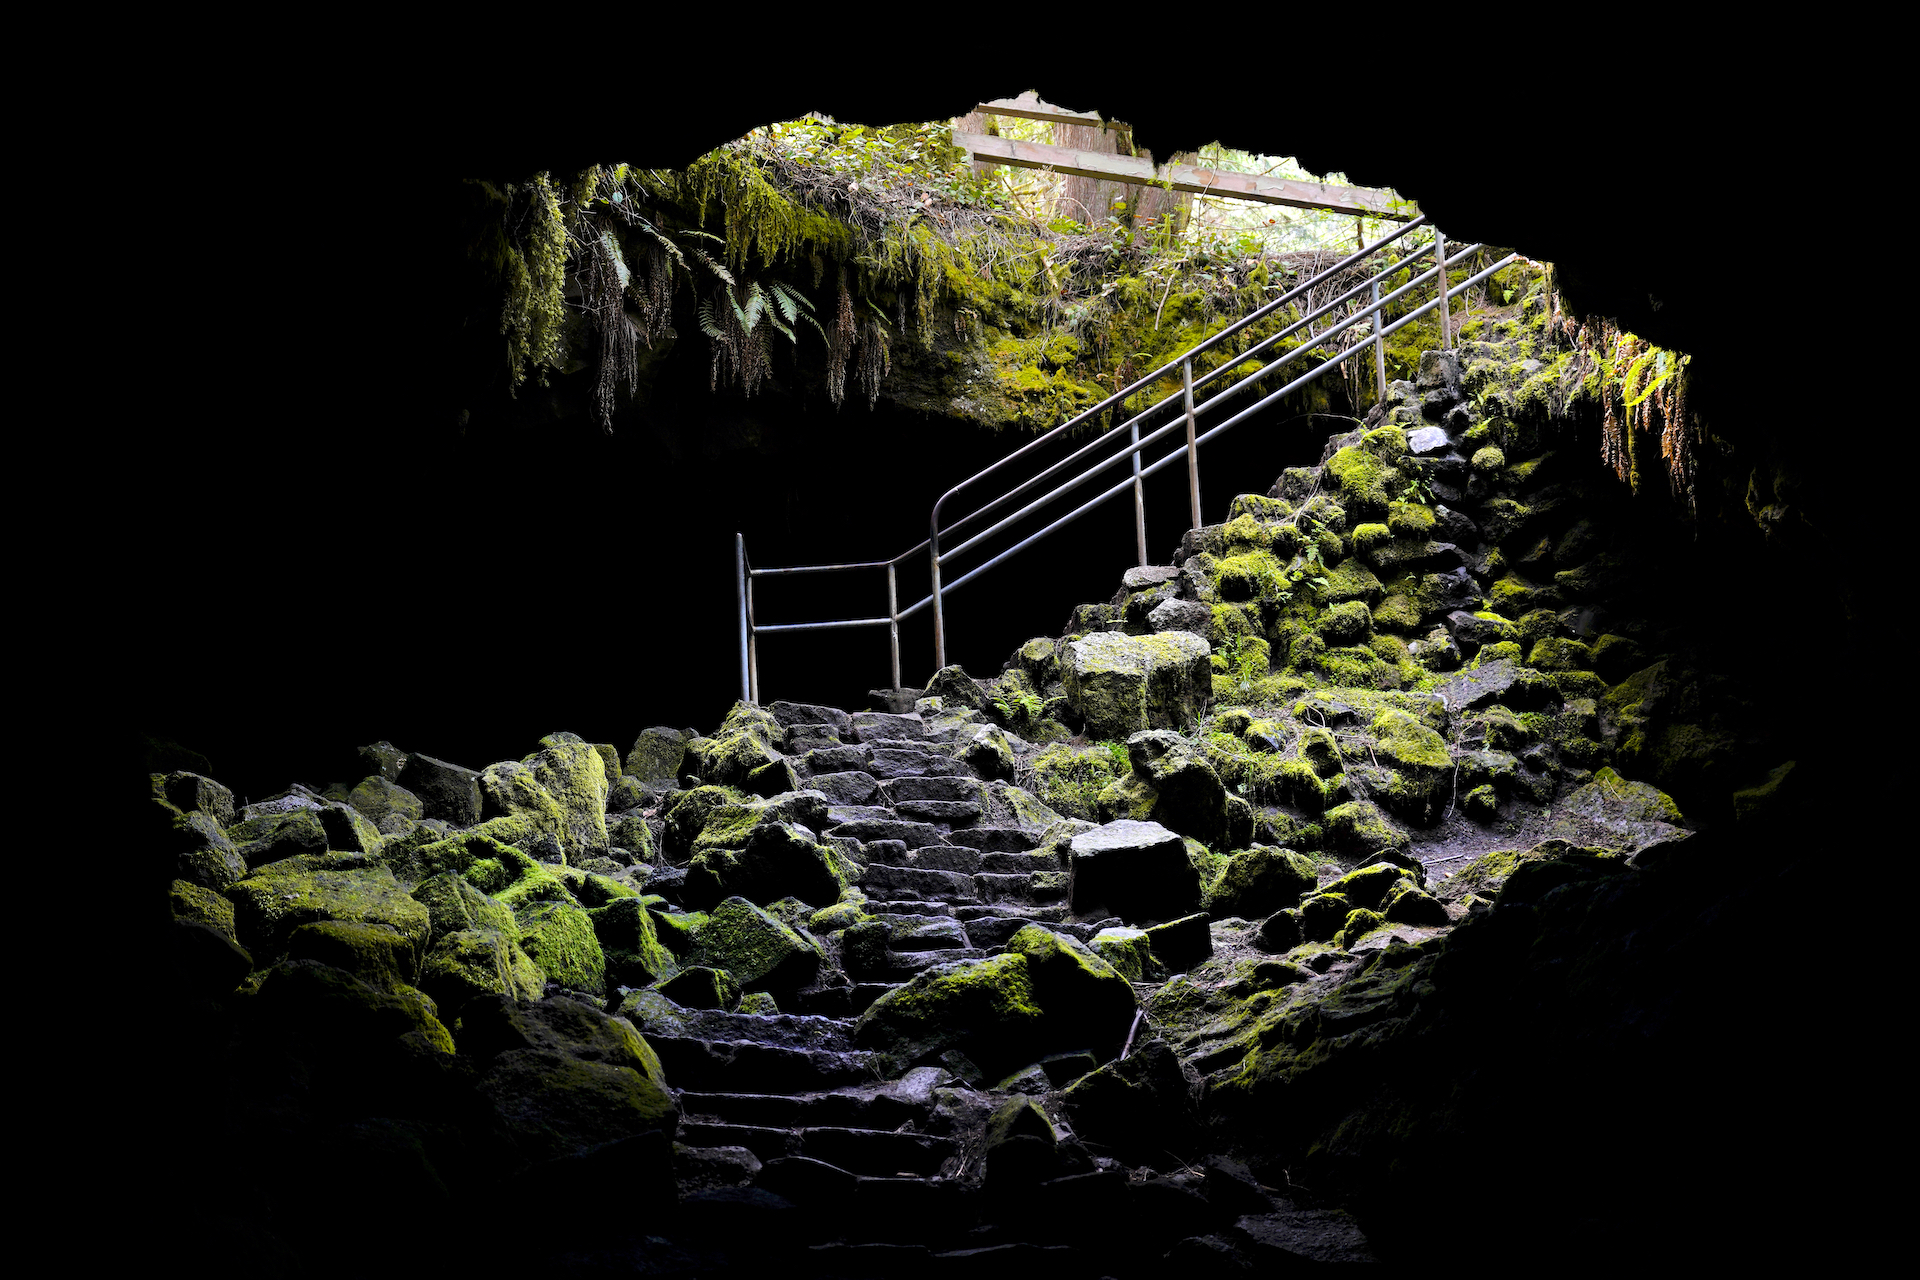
1446,315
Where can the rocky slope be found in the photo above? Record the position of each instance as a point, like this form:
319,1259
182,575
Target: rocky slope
1333,855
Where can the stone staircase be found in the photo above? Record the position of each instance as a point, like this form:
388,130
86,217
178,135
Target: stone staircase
790,1131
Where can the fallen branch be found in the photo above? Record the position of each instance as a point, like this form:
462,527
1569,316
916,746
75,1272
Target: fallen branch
1139,1016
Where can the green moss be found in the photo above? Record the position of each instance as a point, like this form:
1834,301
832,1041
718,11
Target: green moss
1409,742
1253,575
1369,537
559,937
1557,654
1357,925
1071,781
1410,520
754,947
1352,581
1363,479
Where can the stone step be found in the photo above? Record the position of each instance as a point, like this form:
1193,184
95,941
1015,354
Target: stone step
912,761
903,965
913,834
1051,913
872,1152
843,759
865,993
947,857
838,814
884,1106
868,726
927,933
936,787
912,907
780,1030
989,886
712,1066
953,813
993,931
1020,863
1001,839
950,886
849,788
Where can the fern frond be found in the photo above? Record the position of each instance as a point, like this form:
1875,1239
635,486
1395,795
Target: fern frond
659,237
701,257
774,319
710,326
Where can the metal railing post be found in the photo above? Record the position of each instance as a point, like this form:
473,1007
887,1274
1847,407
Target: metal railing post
1139,496
893,624
1379,344
939,611
740,592
1193,451
1446,312
753,646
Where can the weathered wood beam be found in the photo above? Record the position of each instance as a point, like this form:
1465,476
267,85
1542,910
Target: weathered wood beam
1028,107
1183,177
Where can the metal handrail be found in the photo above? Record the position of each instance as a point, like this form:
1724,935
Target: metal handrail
1135,444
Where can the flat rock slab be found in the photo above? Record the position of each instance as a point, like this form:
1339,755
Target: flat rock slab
837,759
927,933
946,857
913,762
1134,870
790,714
1181,615
1302,1235
937,787
1000,839
1148,576
951,812
852,787
1502,681
879,878
915,834
1427,440
876,726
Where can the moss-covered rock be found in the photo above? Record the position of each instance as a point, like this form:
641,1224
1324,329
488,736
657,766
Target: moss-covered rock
336,1018
389,806
1169,784
743,754
1555,653
465,964
191,846
1088,1003
269,907
374,953
1128,951
635,956
1362,479
559,937
701,987
1359,828
1419,761
1120,684
1259,881
758,950
1145,1103
984,1009
1369,886
776,860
